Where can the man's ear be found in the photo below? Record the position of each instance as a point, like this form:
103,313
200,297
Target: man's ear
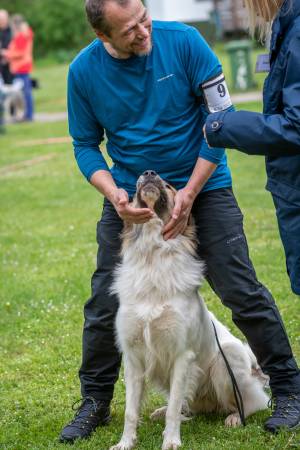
102,36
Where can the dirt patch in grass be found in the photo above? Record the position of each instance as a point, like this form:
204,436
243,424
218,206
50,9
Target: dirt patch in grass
7,170
47,141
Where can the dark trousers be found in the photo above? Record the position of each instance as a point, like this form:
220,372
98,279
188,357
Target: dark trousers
223,247
6,74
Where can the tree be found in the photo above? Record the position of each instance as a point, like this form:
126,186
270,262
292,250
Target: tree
58,25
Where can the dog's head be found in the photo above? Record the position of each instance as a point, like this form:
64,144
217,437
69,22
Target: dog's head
154,193
158,195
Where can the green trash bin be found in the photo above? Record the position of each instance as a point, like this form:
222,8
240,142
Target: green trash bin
241,66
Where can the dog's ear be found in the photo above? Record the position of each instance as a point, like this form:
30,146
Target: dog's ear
190,233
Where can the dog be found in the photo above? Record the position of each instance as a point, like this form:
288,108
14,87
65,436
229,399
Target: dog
14,104
165,330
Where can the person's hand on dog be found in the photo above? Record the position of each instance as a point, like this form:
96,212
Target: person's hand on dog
184,200
127,212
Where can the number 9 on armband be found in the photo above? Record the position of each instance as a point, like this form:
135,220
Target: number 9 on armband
216,94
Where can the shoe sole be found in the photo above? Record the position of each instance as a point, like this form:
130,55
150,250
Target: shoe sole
295,427
284,429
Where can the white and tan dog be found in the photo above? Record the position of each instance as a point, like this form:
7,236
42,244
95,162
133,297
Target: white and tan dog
165,330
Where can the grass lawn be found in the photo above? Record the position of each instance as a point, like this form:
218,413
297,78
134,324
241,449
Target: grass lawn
51,95
47,251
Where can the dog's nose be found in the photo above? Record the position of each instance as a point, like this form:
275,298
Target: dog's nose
149,173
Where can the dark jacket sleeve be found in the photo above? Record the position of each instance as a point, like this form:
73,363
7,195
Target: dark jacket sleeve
264,134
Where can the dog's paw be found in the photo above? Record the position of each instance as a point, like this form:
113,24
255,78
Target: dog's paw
171,444
233,420
124,444
159,413
184,418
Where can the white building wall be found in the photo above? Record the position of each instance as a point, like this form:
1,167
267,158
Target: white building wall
181,10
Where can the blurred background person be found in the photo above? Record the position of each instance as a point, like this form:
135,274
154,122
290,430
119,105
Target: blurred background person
19,56
5,38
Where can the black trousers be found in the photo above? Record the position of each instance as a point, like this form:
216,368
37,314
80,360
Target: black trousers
223,247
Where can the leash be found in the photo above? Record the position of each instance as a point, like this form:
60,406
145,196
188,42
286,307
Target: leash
237,394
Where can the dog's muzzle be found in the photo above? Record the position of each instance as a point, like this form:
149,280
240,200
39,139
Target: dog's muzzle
149,187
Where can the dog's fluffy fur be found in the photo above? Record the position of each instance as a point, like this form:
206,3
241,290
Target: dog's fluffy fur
165,330
14,105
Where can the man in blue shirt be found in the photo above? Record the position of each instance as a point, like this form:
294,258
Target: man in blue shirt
147,86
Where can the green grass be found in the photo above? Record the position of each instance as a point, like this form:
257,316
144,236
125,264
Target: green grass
51,95
47,251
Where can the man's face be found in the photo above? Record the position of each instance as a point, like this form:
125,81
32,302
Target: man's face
131,29
3,19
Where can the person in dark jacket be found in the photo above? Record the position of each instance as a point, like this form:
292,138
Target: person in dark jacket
5,38
276,134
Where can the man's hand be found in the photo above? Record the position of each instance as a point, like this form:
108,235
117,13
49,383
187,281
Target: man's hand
183,204
129,214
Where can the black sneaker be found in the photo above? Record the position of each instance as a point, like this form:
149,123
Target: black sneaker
286,413
89,414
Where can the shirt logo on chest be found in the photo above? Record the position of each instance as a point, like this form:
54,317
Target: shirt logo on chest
166,77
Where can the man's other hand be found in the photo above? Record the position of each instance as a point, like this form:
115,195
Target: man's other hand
180,216
127,212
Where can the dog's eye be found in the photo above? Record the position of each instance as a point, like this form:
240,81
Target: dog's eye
168,186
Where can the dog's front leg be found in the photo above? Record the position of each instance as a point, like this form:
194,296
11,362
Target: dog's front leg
134,381
177,392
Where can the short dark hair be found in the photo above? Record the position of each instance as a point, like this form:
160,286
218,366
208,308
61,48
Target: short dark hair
95,11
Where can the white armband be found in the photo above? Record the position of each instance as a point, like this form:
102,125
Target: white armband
216,94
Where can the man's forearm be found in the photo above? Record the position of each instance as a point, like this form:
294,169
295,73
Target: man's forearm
201,173
104,183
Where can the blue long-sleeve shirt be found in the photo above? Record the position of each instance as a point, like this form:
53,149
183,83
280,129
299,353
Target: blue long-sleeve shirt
150,109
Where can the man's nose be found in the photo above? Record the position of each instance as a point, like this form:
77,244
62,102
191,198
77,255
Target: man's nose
149,173
143,32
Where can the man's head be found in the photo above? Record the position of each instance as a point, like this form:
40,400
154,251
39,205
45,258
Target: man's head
17,23
4,19
124,26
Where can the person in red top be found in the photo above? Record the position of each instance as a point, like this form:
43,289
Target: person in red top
19,56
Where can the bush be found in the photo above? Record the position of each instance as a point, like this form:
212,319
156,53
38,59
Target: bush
59,25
